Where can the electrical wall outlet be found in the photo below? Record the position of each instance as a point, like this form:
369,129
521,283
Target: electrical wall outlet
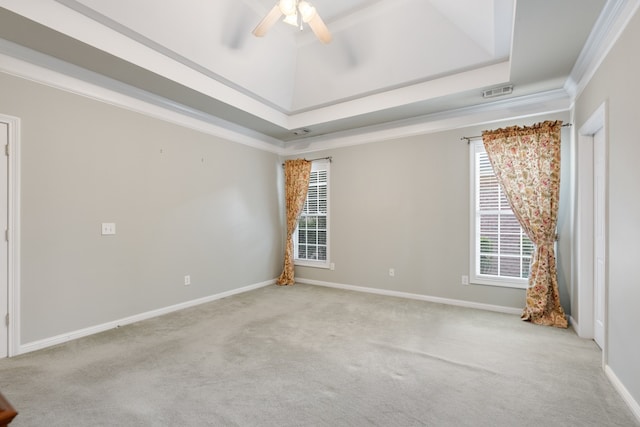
332,266
108,228
392,272
464,280
187,280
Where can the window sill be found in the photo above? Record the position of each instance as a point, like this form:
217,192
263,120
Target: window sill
499,282
313,264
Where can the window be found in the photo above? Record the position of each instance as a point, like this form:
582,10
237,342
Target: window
311,238
501,251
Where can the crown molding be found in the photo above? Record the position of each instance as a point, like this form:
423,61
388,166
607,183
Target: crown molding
22,62
548,102
614,18
25,63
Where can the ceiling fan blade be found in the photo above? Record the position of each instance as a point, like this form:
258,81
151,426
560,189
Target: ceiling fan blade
319,28
267,22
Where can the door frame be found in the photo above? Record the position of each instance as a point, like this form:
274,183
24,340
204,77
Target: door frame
584,220
13,233
599,244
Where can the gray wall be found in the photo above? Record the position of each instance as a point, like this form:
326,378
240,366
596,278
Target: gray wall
405,204
617,82
188,203
183,203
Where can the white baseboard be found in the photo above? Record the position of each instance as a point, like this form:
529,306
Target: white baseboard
575,325
460,303
620,388
60,339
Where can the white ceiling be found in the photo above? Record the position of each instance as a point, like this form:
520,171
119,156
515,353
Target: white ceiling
390,60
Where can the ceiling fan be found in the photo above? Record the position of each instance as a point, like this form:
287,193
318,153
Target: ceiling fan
296,12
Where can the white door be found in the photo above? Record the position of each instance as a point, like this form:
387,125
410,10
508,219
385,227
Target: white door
599,255
4,283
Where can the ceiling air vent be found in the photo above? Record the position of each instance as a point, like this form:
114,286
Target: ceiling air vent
497,91
301,132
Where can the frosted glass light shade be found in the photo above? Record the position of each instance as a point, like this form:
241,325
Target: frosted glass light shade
291,19
288,7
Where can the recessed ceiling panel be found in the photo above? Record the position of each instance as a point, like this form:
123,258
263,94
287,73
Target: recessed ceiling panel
394,48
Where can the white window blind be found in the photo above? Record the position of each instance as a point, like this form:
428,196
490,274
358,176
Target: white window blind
501,252
311,239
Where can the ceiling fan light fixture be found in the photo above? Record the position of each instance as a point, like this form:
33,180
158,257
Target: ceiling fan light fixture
288,7
291,9
291,19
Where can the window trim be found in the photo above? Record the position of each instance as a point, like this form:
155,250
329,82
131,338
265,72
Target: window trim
475,278
323,164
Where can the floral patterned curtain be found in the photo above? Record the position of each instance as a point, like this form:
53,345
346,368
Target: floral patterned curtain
296,181
526,161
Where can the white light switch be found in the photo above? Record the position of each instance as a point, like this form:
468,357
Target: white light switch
108,228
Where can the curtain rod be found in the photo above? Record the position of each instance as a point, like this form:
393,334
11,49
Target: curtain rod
319,158
469,138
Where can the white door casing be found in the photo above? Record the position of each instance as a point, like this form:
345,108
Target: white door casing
589,290
599,247
10,239
4,260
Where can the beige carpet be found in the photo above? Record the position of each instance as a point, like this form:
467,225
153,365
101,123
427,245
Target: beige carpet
312,356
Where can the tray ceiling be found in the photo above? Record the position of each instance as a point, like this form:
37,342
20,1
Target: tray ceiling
389,60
